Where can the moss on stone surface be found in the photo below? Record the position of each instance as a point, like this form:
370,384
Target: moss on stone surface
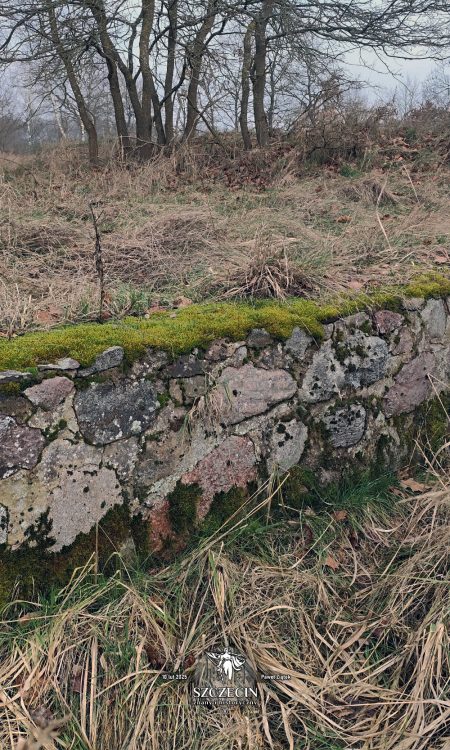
199,325
183,507
432,423
37,568
298,486
224,505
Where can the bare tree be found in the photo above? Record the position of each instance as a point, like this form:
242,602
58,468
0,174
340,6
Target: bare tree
172,65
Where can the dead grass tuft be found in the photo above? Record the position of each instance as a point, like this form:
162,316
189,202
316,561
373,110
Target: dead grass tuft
266,273
370,191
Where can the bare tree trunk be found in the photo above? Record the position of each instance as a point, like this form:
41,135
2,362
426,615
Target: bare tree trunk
245,82
149,93
272,98
64,56
58,119
195,60
259,81
143,129
113,78
170,69
119,111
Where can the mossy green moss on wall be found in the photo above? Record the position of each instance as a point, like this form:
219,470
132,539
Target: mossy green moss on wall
37,568
199,325
432,423
223,506
183,507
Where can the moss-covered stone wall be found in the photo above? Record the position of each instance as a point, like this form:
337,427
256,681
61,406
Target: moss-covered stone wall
139,434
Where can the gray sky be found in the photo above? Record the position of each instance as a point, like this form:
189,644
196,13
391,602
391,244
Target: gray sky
383,75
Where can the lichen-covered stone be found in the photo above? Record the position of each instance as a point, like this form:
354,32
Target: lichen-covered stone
3,525
232,464
50,392
82,492
404,343
13,376
161,457
328,331
65,364
175,390
221,350
112,357
217,351
412,385
20,446
248,391
108,412
287,444
298,342
260,426
324,378
387,321
355,321
169,418
193,388
258,338
273,358
166,459
149,364
345,426
238,357
413,303
186,366
122,456
365,359
69,485
355,360
15,406
56,420
434,318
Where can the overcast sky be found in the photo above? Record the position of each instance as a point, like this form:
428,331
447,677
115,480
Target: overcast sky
383,75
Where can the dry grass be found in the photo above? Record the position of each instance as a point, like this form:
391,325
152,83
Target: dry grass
178,226
353,606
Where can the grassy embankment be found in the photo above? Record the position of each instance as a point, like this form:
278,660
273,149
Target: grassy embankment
208,226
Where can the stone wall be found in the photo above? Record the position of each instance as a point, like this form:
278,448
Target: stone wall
168,439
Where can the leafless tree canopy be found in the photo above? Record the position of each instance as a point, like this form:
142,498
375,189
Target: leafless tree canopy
151,73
